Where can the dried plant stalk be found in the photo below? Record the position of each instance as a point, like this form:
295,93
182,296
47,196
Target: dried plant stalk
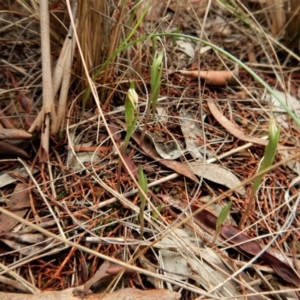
94,24
48,97
277,16
292,32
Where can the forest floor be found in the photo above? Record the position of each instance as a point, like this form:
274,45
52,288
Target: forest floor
82,214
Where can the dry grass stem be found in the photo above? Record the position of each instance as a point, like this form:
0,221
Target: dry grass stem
48,112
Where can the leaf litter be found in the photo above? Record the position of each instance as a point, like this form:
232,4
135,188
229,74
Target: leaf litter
66,193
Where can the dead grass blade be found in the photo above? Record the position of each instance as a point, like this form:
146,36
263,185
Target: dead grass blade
65,84
48,111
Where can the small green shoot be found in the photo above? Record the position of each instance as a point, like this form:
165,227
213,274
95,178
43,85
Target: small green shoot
131,116
175,38
143,189
221,219
157,189
155,214
267,161
155,83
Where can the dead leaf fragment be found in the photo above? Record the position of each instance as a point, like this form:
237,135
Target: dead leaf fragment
234,129
25,103
12,176
168,150
114,130
10,150
172,164
131,165
155,9
25,238
106,270
214,78
13,134
192,131
23,249
216,174
20,197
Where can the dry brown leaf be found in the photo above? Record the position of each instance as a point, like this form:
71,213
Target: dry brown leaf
155,9
234,129
23,249
171,164
13,134
6,122
216,174
10,150
131,165
192,131
29,120
114,130
107,269
20,197
25,103
25,238
215,78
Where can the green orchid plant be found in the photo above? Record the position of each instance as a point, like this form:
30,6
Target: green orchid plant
267,161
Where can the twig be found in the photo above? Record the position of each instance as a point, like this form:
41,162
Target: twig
49,118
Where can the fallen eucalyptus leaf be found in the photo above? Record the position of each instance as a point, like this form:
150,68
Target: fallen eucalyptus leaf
192,131
10,150
214,78
8,177
234,129
216,174
12,134
168,150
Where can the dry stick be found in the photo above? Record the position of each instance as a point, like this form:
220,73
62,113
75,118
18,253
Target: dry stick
67,59
62,102
56,81
49,118
60,65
